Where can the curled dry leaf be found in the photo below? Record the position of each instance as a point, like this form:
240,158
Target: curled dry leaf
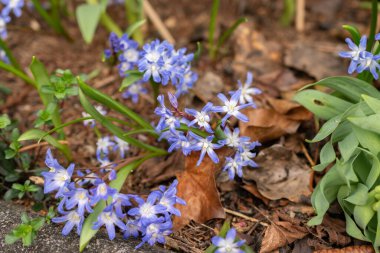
196,185
281,233
279,117
281,174
351,249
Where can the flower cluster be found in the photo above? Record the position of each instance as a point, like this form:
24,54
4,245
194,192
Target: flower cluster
200,134
157,61
361,59
10,6
228,244
150,218
106,144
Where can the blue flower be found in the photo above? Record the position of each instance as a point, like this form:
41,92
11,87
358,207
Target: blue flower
369,62
133,229
147,211
78,197
205,145
178,141
233,139
189,78
156,232
151,61
168,198
201,118
4,19
58,178
355,52
12,5
231,107
109,218
133,91
377,36
168,120
234,166
3,57
246,155
247,91
72,218
101,191
119,200
228,244
103,145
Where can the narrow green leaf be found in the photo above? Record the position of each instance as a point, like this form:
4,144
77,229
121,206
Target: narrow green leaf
18,73
198,53
9,54
113,128
88,17
135,26
359,196
212,25
327,128
4,121
130,79
348,145
36,134
372,102
355,34
370,122
10,239
113,104
363,214
227,34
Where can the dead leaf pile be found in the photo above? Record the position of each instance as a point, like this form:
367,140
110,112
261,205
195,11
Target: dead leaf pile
281,174
274,118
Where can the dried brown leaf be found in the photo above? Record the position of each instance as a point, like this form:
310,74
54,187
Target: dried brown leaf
281,233
282,174
196,185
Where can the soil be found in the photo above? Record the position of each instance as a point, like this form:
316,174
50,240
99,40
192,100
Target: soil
281,59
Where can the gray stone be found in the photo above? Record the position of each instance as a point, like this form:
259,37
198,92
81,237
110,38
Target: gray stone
49,239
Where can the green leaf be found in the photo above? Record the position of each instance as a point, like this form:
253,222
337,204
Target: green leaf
327,156
36,134
370,122
10,239
359,196
37,223
12,177
135,26
113,128
24,218
348,146
27,239
355,34
367,139
87,231
130,79
363,214
323,105
227,34
4,121
198,53
372,102
212,25
19,187
113,104
327,128
88,17
350,87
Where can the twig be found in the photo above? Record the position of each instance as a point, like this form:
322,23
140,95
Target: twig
245,217
157,22
308,157
300,16
40,144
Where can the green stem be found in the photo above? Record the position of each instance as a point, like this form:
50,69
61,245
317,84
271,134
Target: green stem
288,13
156,90
51,21
9,54
110,25
374,13
97,132
211,30
135,14
18,73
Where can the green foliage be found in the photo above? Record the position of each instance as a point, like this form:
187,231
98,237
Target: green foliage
20,190
214,46
352,149
288,13
62,85
88,17
26,231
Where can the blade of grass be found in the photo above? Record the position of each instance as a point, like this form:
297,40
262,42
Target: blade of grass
227,34
9,54
212,26
18,73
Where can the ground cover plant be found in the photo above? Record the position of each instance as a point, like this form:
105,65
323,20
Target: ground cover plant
123,117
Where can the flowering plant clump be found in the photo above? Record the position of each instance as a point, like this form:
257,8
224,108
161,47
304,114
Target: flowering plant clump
150,218
156,61
171,120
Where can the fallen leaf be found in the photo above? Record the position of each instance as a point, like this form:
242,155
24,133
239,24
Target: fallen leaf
334,230
208,87
281,233
276,118
252,188
196,185
281,174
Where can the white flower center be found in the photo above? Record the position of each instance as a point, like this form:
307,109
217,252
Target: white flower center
146,210
74,217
